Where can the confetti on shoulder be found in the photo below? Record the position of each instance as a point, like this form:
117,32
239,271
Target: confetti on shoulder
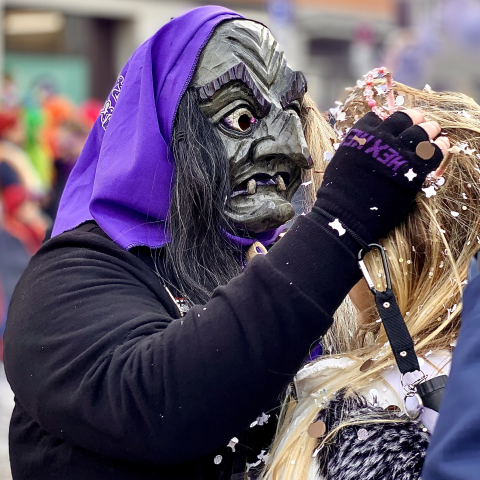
336,225
233,443
327,156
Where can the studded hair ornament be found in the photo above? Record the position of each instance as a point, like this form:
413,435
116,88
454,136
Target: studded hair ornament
425,150
429,392
381,72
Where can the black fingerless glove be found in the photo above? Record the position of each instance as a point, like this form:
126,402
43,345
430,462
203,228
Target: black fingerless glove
373,179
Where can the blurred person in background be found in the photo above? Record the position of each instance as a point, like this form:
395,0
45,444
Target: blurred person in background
69,140
139,345
22,225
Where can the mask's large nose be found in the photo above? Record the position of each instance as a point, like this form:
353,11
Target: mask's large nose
287,139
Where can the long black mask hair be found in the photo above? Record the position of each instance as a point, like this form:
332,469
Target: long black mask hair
199,257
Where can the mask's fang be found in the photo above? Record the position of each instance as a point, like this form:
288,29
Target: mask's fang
281,184
251,187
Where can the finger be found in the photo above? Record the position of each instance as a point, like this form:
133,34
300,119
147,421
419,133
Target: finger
395,123
412,136
416,115
368,121
443,143
432,128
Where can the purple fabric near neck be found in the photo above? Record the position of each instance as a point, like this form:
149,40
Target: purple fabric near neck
266,238
123,177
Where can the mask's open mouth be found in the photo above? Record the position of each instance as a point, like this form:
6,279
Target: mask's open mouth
280,181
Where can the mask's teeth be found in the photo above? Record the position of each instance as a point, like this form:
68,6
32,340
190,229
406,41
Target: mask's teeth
280,184
251,187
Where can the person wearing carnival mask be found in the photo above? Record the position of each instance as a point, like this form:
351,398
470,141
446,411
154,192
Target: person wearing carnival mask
196,155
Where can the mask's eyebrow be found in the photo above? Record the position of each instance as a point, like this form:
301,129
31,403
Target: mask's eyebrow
238,72
297,89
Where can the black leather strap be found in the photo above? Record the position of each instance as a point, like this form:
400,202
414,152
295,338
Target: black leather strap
397,332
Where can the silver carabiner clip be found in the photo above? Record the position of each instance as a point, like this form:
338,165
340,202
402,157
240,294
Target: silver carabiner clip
410,390
366,274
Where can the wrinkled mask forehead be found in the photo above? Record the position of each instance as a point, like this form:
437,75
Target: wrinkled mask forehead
246,50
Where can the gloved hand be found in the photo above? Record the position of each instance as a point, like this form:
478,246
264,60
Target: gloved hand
377,171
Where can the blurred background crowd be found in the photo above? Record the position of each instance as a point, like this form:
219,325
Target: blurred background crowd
60,59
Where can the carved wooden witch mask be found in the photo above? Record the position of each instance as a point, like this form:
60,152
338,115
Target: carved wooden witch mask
253,99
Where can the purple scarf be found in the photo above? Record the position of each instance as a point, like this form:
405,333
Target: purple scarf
123,177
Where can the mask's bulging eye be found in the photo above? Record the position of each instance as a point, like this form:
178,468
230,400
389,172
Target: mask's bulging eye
240,120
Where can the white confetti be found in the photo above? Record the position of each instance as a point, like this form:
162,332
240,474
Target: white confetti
428,353
380,89
327,156
233,443
341,116
464,196
253,465
263,456
336,225
440,182
429,191
465,114
360,84
399,101
305,184
218,460
263,419
454,214
374,208
410,175
336,145
315,453
362,434
451,310
462,147
253,424
428,88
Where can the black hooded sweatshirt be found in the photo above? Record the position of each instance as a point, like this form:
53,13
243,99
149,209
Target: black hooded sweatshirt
110,382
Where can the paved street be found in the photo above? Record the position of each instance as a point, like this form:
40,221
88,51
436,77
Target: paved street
6,406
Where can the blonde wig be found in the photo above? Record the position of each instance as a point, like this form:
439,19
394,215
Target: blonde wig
428,259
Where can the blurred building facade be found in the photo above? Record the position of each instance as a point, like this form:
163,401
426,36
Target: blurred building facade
82,45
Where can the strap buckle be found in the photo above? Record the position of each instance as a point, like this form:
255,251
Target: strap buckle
366,273
410,389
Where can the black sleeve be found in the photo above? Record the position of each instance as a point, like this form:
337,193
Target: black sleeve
95,359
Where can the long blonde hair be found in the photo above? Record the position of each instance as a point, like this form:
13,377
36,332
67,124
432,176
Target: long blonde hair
428,259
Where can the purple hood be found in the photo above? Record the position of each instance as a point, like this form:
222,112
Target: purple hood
123,177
